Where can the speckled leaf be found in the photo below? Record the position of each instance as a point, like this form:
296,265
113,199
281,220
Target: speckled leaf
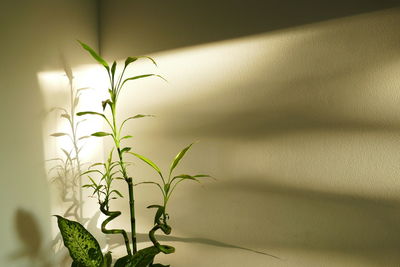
83,247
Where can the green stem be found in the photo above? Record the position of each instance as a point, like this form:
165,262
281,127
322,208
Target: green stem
111,216
163,248
132,214
126,178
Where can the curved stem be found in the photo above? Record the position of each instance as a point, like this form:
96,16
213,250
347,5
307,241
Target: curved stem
163,248
111,216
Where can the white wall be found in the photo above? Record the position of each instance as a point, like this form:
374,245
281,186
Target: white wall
34,36
299,126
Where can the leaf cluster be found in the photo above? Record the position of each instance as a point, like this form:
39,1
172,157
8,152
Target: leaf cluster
108,173
168,184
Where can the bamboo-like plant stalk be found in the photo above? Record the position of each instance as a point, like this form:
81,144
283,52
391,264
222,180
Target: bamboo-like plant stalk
103,189
115,87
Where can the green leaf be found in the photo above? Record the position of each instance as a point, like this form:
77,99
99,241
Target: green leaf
116,192
75,264
138,116
96,164
107,260
144,257
166,188
105,102
126,137
123,262
113,67
82,246
185,177
148,161
125,149
201,175
129,60
89,113
159,213
179,157
159,265
100,134
95,55
141,76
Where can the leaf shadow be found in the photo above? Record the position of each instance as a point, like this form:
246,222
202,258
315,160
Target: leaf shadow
31,239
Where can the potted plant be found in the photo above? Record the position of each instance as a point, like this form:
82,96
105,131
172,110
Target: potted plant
82,246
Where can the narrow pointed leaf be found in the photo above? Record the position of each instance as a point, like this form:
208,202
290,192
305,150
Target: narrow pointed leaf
179,157
159,213
125,149
166,188
105,102
126,137
113,68
100,134
117,192
141,76
148,161
95,55
89,113
138,116
129,60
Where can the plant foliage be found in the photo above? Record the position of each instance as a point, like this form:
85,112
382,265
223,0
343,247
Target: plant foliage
102,175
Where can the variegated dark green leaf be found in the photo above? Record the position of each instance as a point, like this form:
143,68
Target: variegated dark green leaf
83,247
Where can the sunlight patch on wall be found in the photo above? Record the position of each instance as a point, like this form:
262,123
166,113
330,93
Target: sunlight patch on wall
59,149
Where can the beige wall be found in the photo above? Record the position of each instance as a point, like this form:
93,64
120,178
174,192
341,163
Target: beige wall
34,35
299,126
296,110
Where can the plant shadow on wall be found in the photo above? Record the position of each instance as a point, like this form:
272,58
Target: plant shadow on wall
302,219
83,247
32,247
66,169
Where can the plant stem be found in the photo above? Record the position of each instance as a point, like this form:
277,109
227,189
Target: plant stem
126,178
132,214
112,215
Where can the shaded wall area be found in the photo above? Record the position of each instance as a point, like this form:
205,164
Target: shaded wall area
299,126
152,26
34,35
